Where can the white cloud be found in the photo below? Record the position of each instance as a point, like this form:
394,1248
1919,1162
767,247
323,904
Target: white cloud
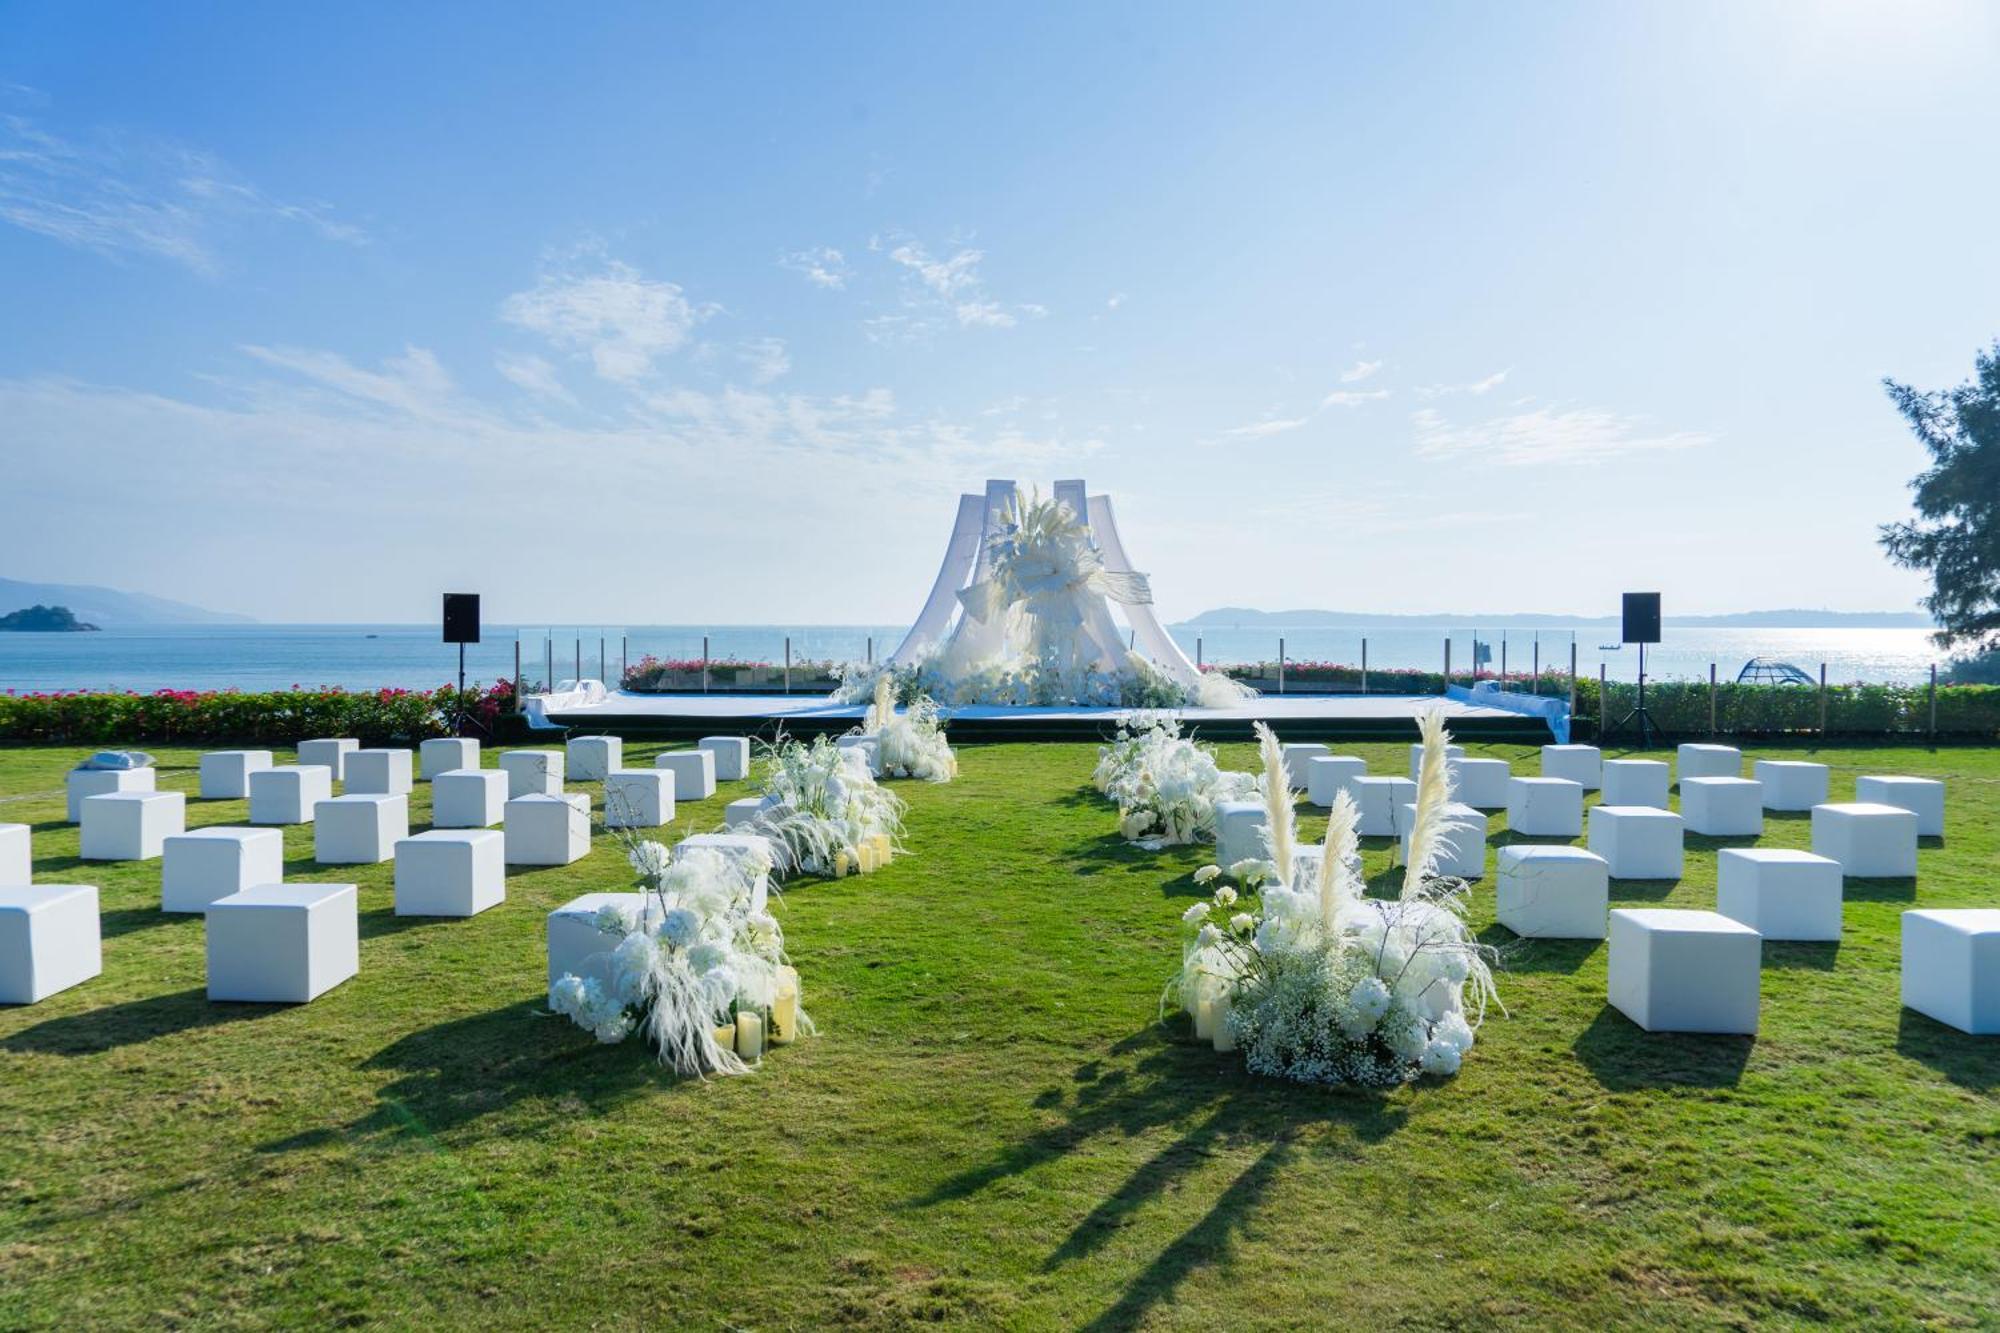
765,358
1352,397
953,285
1113,301
533,374
822,266
1491,382
621,320
414,384
1359,371
945,277
983,314
1545,436
1265,429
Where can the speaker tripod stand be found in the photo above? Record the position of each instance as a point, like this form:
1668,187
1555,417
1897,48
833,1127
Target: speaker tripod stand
1640,714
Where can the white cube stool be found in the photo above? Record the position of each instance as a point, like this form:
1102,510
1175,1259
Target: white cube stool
446,754
1675,971
378,773
693,770
359,829
1951,967
1417,757
544,830
48,940
204,864
283,943
1636,782
752,854
84,783
1327,777
1381,802
131,825
468,798
329,753
1298,757
1545,807
1551,892
638,798
1780,893
746,810
225,774
1922,796
532,772
591,757
1239,832
1581,764
1870,841
732,756
450,872
869,747
1708,761
576,946
1464,848
1791,784
287,794
1637,841
1723,807
1481,783
17,854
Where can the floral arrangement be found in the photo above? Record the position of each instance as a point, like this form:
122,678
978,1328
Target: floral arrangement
695,972
1165,785
823,809
909,744
1322,984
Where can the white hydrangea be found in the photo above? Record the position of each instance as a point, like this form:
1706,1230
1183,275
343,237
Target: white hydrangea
1370,997
1196,914
1242,923
1207,874
1440,1057
680,927
1225,896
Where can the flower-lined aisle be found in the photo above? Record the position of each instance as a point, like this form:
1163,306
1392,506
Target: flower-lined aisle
823,810
1320,983
1165,785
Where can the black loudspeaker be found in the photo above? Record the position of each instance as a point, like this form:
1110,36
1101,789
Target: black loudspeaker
1642,617
461,617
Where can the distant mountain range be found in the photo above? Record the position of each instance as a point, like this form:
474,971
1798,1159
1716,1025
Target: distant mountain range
1243,617
109,606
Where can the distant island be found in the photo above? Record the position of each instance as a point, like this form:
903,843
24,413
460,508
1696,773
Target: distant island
1242,617
44,620
109,606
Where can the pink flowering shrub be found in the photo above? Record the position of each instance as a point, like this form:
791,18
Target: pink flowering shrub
278,717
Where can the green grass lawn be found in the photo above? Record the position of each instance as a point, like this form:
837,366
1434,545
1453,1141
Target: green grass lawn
992,1126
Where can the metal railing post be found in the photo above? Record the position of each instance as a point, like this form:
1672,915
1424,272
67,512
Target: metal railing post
624,658
704,664
517,673
1197,654
871,650
1503,661
1572,675
549,645
1711,701
579,658
1364,664
1447,663
1281,664
1603,703
1822,701
788,664
601,672
1933,728
1538,664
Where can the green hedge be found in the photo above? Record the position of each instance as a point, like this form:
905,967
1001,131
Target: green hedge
1680,708
279,717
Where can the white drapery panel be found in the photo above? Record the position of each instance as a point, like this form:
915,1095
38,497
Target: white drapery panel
1149,636
965,550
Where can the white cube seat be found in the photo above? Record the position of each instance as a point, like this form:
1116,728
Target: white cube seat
1636,782
225,774
1328,776
330,753
1581,764
1719,807
1637,841
468,798
378,773
49,940
867,746
753,855
1922,796
1545,807
693,770
84,783
544,830
1870,841
1481,783
283,943
446,754
1298,756
1551,892
204,864
1779,892
1951,967
1791,784
746,810
288,793
576,946
1381,801
1417,757
732,756
131,825
1464,848
1680,971
359,828
591,758
1239,832
450,872
1708,761
532,772
638,798
17,854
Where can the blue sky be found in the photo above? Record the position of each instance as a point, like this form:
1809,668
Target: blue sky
639,314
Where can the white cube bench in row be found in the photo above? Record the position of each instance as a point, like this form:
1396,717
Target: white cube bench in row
288,793
1951,967
468,798
1636,782
1923,797
693,770
638,798
1463,848
1381,801
1239,832
1545,807
545,830
450,872
1551,892
532,772
747,810
446,754
49,940
204,864
359,829
1791,784
592,758
379,773
1298,756
1581,764
1637,841
1708,761
131,825
576,946
283,943
329,753
1723,807
1330,775
84,783
225,774
1780,893
1680,971
1480,783
1870,841
1417,758
17,854
732,756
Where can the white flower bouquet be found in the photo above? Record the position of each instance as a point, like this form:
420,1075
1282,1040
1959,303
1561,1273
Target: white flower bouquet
909,744
1165,785
824,811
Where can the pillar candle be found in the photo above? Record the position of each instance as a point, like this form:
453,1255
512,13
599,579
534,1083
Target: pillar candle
1204,1018
885,851
865,853
725,1035
788,979
1218,1022
750,1036
784,1016
840,864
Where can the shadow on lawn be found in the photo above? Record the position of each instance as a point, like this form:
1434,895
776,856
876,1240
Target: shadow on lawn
1971,1062
135,1021
1624,1057
1530,955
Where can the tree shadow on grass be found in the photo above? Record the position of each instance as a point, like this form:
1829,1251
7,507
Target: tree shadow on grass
128,1024
1624,1057
1970,1062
